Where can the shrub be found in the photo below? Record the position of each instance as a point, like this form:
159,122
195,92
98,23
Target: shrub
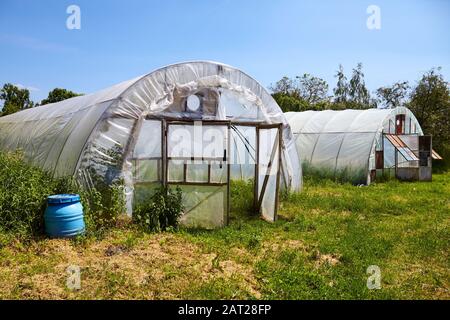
23,193
103,207
161,212
24,189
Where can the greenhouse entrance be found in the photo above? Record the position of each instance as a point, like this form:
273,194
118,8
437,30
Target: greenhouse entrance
197,161
201,157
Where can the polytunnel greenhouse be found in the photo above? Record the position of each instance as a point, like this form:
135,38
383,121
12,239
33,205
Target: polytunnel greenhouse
362,145
194,125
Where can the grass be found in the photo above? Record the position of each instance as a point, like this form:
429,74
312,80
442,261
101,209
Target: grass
320,248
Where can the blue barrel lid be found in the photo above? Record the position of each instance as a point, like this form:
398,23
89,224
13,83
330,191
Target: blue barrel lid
63,198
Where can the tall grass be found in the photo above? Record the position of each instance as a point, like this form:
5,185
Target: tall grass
340,175
24,189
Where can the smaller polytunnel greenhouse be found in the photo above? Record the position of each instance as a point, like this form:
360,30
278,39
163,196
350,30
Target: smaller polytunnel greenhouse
194,125
361,145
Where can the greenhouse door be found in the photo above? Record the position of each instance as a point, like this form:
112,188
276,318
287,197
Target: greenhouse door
197,161
268,170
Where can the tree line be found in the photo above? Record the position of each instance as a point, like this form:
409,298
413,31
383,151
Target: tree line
428,98
16,99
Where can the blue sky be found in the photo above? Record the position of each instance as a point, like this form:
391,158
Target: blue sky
119,40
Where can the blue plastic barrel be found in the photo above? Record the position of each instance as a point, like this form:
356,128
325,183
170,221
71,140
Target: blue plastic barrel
64,216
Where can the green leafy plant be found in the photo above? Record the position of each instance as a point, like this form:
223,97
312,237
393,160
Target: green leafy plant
162,212
23,192
24,189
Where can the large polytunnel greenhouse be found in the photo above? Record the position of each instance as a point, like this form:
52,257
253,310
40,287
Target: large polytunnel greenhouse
362,145
194,125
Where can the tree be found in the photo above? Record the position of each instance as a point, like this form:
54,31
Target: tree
430,103
312,89
358,93
14,99
341,90
59,94
285,86
289,103
393,96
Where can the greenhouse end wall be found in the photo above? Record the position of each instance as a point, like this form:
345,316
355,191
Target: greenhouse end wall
96,136
342,145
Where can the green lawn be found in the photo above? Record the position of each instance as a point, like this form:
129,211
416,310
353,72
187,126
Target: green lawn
320,248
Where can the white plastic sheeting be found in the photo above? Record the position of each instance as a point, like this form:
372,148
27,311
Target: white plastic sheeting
346,140
97,136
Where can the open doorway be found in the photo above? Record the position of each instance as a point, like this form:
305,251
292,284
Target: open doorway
202,158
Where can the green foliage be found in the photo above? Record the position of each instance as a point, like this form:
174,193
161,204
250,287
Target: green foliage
343,175
289,103
23,193
24,190
430,103
358,93
241,193
393,96
14,99
310,93
59,94
161,212
103,206
341,89
312,89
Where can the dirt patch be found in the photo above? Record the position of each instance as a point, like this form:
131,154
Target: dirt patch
160,266
326,259
278,244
